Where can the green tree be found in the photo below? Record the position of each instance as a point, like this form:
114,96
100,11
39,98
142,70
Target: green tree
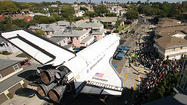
58,2
8,6
101,10
118,23
84,8
131,14
53,10
67,11
90,14
8,27
106,26
43,19
39,32
111,14
57,17
20,23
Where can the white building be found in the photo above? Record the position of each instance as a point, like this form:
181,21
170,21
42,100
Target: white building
79,13
171,45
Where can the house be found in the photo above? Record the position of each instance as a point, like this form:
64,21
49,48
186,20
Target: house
7,69
12,77
61,40
167,22
79,13
2,17
69,47
54,5
88,6
97,29
27,19
78,38
171,47
110,21
63,23
38,14
48,29
116,9
171,40
98,34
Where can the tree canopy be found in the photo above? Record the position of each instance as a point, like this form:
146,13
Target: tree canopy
164,9
111,14
67,11
43,19
8,6
101,10
90,14
132,12
84,8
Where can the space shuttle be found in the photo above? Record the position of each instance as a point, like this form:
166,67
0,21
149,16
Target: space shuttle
63,72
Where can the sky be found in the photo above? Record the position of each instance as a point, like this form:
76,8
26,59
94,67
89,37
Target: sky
98,1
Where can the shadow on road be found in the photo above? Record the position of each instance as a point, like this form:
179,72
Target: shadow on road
84,99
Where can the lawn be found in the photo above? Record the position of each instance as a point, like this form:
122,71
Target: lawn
5,53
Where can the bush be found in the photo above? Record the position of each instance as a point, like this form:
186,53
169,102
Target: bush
24,85
10,96
5,53
23,55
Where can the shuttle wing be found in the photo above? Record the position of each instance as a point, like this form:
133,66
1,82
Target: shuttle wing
103,77
39,48
105,80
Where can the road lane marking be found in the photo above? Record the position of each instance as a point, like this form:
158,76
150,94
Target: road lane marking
125,78
123,67
136,81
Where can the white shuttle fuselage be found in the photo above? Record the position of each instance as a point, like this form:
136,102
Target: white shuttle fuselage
90,70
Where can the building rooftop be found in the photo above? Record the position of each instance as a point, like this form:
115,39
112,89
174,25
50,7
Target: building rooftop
68,46
166,22
165,31
168,42
56,38
4,63
71,33
98,32
63,23
88,25
87,39
4,85
106,19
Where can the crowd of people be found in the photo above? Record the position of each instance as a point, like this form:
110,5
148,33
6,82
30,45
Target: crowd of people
159,68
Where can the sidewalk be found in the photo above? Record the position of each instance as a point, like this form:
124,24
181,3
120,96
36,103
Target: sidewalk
12,56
